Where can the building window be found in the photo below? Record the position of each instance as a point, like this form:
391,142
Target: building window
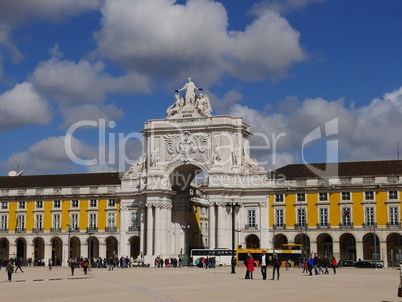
111,203
56,221
393,216
38,222
301,217
74,222
56,204
39,204
92,221
369,195
369,215
251,218
21,205
278,197
393,195
134,219
301,197
111,220
345,195
20,225
74,203
323,196
3,226
323,219
346,216
93,203
279,217
4,205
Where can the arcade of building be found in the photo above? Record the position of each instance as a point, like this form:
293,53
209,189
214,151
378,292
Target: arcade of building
154,208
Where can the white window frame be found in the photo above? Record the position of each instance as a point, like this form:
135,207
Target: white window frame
21,222
393,215
279,197
111,220
279,217
301,197
347,198
346,219
301,214
21,205
74,221
391,193
323,216
251,218
4,222
38,221
369,215
93,203
4,205
56,221
367,195
39,204
322,197
75,203
56,204
93,220
111,203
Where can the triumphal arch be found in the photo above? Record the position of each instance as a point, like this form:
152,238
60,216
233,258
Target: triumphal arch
187,144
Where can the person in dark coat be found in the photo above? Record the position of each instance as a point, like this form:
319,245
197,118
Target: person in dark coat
276,264
10,270
250,266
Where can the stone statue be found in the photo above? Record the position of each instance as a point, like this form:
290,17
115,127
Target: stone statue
203,106
216,157
154,157
176,107
189,96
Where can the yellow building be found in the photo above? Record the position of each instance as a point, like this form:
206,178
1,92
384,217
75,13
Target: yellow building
351,210
39,215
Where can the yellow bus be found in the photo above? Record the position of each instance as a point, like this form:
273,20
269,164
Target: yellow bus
290,253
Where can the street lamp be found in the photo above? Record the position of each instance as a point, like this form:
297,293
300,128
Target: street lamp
186,228
234,207
68,241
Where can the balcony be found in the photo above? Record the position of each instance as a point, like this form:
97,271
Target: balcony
38,230
3,230
20,230
92,229
110,229
279,226
369,225
301,226
55,230
133,228
323,226
346,225
251,226
74,229
394,225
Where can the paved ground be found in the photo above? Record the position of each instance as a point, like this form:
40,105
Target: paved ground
196,284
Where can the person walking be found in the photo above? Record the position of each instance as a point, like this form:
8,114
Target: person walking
276,264
50,263
250,266
10,270
263,263
18,263
326,264
334,263
310,265
72,264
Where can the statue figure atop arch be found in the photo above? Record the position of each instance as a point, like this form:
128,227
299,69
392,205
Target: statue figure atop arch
190,105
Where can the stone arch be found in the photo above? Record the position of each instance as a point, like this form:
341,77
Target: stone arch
93,247
21,248
394,249
252,242
347,244
371,245
135,247
304,240
279,241
111,247
4,248
39,251
181,175
75,247
57,251
324,245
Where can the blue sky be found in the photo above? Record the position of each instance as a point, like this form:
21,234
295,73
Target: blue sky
287,67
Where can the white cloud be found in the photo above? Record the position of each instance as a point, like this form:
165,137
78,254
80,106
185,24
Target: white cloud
166,39
282,6
48,155
90,112
23,106
366,133
68,82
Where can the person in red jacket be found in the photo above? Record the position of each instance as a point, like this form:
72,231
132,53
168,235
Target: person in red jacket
250,266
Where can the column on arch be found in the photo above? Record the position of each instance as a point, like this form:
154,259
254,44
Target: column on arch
150,229
212,226
221,229
141,216
158,230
